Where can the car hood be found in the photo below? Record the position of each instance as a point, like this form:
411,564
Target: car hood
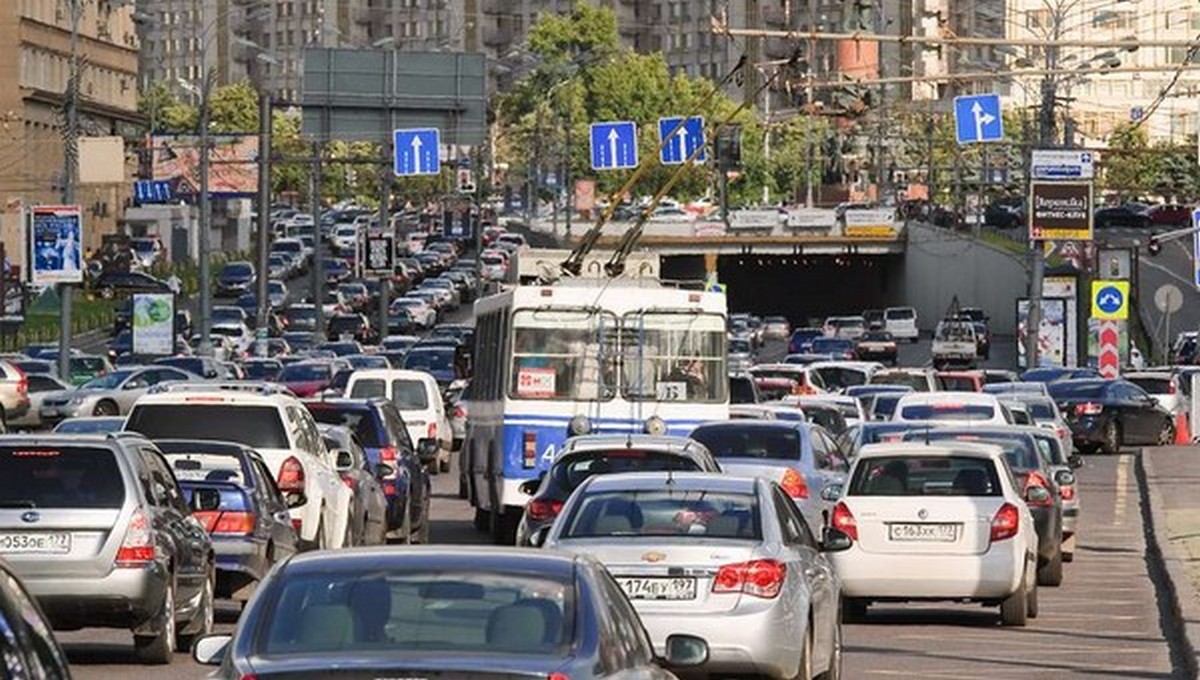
61,397
392,663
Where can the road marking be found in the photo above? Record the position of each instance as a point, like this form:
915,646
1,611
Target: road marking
1158,267
1122,488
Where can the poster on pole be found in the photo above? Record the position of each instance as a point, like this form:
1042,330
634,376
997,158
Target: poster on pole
1060,211
379,258
1067,288
55,238
153,324
1052,333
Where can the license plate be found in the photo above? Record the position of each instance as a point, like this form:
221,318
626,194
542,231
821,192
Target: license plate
923,533
659,588
53,543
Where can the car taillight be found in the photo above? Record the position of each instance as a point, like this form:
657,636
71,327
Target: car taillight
22,381
291,476
460,412
843,520
351,483
431,431
760,578
1171,387
1089,409
1067,492
793,483
216,522
1006,523
530,457
541,509
137,550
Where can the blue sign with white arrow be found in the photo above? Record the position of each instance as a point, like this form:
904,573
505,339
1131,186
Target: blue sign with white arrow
977,119
686,142
1110,300
148,191
614,146
418,152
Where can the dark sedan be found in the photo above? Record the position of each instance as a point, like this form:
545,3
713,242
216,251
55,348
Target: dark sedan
1129,214
1106,415
235,278
108,284
233,494
448,612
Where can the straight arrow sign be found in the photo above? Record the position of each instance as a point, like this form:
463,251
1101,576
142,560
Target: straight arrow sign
614,145
417,152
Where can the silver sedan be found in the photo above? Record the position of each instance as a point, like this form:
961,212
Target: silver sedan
112,394
725,558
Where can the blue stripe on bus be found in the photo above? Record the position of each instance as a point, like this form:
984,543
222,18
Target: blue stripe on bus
549,439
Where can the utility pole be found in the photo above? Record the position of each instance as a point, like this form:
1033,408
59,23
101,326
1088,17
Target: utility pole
70,176
568,183
808,100
205,284
318,267
386,168
264,215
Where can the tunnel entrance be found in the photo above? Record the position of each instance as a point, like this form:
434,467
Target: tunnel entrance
800,287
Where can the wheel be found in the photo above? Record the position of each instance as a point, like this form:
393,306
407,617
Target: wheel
1051,573
834,672
805,670
1031,602
426,529
462,487
1166,435
106,408
432,468
444,465
158,649
1112,439
853,610
483,520
202,624
1014,611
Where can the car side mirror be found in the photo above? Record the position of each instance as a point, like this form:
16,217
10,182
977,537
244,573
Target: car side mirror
1075,461
210,649
205,499
831,493
295,499
383,471
538,539
1037,495
345,461
1064,478
835,540
427,450
530,487
685,651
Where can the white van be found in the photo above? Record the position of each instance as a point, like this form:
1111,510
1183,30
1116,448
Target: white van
417,396
901,322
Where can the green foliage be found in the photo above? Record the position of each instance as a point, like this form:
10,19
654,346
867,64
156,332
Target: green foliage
1128,167
233,109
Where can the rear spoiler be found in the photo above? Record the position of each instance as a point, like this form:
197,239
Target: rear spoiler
248,387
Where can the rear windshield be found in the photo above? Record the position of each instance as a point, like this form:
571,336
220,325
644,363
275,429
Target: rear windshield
345,324
957,384
1083,390
884,406
774,443
358,420
916,381
407,395
655,514
925,476
1018,450
741,391
60,477
826,345
409,612
1153,385
207,466
572,470
305,372
258,427
899,314
948,411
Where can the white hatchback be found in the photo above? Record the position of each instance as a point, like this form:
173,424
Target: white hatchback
937,522
417,396
901,322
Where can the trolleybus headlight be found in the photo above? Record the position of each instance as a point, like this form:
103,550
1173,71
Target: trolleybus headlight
656,425
579,425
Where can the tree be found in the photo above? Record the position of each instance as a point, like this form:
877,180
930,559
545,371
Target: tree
1128,167
233,109
165,112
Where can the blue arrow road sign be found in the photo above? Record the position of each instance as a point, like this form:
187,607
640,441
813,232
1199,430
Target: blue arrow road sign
417,152
1110,300
147,191
687,140
614,146
977,118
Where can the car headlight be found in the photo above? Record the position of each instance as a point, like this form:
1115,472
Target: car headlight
77,401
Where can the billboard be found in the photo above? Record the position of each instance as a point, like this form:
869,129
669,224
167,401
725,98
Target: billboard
1052,333
1067,288
154,324
233,163
55,238
1060,211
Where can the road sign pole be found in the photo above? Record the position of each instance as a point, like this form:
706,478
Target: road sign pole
385,280
318,273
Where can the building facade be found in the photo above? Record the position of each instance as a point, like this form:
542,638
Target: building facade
35,49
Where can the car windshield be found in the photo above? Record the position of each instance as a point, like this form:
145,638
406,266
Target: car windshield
429,359
957,383
262,370
739,347
925,476
763,443
464,611
1091,389
60,477
142,245
238,269
947,411
110,381
659,514
571,470
904,314
305,372
259,427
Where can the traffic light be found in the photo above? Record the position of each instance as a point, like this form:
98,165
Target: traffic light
1154,247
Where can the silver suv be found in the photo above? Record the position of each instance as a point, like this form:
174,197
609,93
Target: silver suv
99,532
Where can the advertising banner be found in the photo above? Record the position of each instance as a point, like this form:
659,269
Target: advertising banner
153,324
1052,334
1067,288
873,223
56,244
1060,211
380,254
233,163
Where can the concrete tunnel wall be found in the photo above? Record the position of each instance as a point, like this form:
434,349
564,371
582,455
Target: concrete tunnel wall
940,264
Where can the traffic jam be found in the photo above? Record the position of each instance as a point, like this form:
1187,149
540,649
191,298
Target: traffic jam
669,488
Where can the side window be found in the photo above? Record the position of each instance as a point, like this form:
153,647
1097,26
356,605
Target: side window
395,423
164,486
837,459
38,640
307,424
42,383
631,636
785,511
820,447
269,488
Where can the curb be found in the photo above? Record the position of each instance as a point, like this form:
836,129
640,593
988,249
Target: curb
1178,600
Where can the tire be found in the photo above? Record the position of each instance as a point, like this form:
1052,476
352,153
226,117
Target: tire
426,529
432,469
1166,435
203,623
504,527
854,611
834,672
483,520
159,649
106,408
462,488
444,466
805,671
1031,602
1014,611
1051,573
1112,439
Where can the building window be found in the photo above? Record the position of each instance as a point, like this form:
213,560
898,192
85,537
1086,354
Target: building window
1038,19
1117,20
1194,20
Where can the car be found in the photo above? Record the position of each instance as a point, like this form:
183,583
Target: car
14,392
418,397
471,611
91,425
368,511
273,423
310,377
975,540
801,339
734,548
109,283
235,498
279,267
1162,385
778,380
277,295
741,353
234,279
954,344
443,363
584,456
29,647
901,322
850,408
951,408
336,270
1006,213
834,348
1127,214
39,386
742,388
801,457
998,376
456,410
919,379
1105,415
849,327
382,433
1043,413
871,432
147,251
301,318
1170,215
983,340
262,370
877,346
351,326
1031,469
961,381
1062,466
776,328
111,541
109,395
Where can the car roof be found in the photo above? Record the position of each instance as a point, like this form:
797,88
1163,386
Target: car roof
597,442
439,558
756,424
945,397
394,373
683,481
938,448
